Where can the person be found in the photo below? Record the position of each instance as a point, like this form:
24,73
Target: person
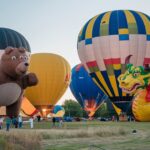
15,122
1,122
113,118
20,121
117,117
8,122
53,120
39,118
60,122
31,122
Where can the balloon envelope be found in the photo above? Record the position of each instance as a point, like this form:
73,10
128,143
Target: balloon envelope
27,108
106,40
141,107
53,73
87,93
58,111
9,37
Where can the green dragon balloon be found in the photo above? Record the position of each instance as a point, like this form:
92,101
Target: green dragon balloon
136,80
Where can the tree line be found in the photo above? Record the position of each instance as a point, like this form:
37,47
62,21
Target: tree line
73,109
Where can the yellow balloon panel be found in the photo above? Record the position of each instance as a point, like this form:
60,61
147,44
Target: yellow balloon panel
140,107
59,114
53,73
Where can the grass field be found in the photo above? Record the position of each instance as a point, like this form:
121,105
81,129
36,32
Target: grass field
92,135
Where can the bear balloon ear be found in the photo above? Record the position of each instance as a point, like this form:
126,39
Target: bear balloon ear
8,50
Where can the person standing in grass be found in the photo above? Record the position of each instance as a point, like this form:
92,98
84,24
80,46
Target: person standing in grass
8,122
31,122
20,121
54,121
38,118
1,122
60,122
15,122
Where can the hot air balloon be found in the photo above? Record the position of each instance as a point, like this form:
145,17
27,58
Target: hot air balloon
106,40
3,111
58,111
27,109
53,73
86,92
9,37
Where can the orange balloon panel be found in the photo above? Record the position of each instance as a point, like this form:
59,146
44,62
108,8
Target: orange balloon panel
53,73
27,108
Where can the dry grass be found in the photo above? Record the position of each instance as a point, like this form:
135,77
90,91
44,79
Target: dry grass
98,135
84,133
19,140
30,139
76,136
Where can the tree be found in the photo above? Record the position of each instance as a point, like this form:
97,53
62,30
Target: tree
73,109
102,111
106,110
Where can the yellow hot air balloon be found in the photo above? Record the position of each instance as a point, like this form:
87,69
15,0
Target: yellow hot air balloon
53,73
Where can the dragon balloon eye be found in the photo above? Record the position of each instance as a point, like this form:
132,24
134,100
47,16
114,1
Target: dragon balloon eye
135,74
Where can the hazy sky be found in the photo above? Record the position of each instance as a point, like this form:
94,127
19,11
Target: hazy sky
53,25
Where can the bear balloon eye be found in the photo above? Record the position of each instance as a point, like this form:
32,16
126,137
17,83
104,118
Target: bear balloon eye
13,57
21,57
25,58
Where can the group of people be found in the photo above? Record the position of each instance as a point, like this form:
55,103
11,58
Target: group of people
123,117
14,121
17,122
59,120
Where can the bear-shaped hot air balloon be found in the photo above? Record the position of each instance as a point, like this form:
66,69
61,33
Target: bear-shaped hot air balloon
14,79
14,62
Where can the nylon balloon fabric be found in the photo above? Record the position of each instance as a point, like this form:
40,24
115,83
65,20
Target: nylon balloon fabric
106,40
53,72
9,37
86,92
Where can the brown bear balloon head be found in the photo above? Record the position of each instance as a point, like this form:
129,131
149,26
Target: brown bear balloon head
15,62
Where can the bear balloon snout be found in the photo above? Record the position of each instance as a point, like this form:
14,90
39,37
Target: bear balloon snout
26,64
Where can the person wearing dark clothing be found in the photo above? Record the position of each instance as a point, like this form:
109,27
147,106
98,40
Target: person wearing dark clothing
8,122
15,122
53,120
39,118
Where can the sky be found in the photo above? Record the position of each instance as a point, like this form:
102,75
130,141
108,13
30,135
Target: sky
53,25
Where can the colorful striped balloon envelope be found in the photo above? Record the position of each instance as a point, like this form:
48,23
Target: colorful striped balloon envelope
106,40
